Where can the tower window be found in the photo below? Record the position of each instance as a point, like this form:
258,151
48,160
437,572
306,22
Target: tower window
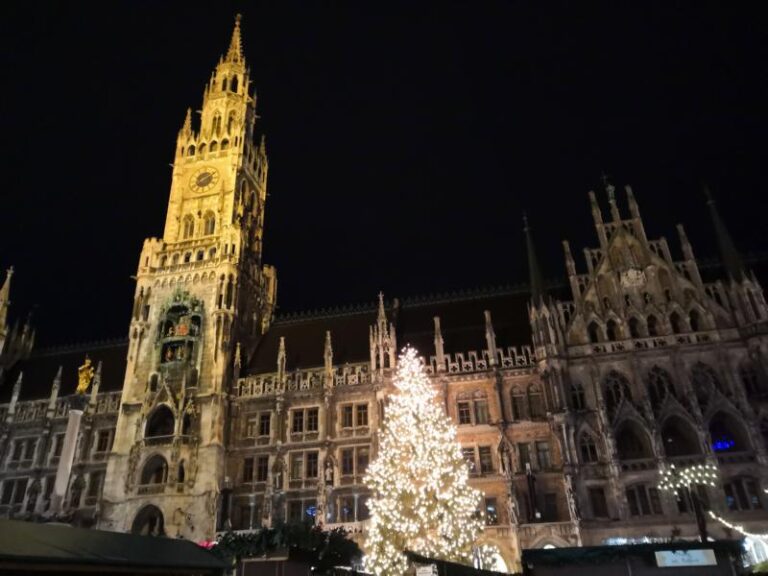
694,320
231,124
224,144
233,84
653,329
191,150
224,84
209,223
675,322
188,227
214,145
200,255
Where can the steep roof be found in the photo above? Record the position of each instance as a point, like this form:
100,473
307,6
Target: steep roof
462,324
40,369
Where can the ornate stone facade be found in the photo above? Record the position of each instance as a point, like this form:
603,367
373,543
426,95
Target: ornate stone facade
216,415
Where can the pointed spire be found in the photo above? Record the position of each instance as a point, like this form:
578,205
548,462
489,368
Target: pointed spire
490,338
537,284
96,384
14,398
328,352
281,360
610,190
235,52
734,266
186,129
634,209
5,298
382,315
55,389
439,346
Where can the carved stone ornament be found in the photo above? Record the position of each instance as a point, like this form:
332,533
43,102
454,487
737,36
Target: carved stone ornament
633,278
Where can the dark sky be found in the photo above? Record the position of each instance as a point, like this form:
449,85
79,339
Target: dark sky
405,139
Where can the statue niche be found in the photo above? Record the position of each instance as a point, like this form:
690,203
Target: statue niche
179,332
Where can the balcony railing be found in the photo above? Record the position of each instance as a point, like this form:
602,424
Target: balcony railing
638,464
150,489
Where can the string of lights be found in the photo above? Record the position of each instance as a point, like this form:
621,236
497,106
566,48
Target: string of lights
674,478
737,527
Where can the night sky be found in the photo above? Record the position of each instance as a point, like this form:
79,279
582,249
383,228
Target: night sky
405,139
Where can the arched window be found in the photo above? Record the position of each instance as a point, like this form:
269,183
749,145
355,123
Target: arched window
705,380
214,146
694,319
587,449
653,326
634,327
231,123
749,379
180,475
148,522
679,438
577,396
187,257
632,442
536,402
155,471
233,84
212,253
216,125
727,434
163,261
612,331
201,148
200,255
519,405
224,84
659,386
175,259
160,423
209,223
674,321
191,150
594,332
616,388
225,144
188,227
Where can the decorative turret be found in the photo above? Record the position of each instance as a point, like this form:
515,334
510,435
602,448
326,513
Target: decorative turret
235,52
734,266
439,346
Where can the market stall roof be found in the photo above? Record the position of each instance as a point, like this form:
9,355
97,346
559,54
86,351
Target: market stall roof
31,547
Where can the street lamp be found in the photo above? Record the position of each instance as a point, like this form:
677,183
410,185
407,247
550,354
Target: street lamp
674,478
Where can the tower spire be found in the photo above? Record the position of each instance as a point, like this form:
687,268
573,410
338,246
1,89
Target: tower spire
537,284
235,52
5,299
732,261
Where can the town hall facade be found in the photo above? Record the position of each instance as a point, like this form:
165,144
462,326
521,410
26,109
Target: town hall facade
569,401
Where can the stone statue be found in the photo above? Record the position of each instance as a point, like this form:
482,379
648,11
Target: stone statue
84,376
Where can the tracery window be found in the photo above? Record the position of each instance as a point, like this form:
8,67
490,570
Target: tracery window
209,223
577,396
588,449
188,227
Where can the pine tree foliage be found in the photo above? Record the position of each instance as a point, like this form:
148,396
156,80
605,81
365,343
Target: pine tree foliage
421,500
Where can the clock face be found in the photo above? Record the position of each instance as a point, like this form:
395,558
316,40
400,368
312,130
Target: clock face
203,179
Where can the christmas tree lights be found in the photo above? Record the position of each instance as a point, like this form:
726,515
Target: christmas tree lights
421,500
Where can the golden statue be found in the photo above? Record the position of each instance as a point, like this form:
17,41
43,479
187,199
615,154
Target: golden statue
84,376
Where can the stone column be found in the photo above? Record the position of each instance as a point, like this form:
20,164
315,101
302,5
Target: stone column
76,408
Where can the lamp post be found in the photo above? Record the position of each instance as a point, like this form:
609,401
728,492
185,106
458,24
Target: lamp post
674,479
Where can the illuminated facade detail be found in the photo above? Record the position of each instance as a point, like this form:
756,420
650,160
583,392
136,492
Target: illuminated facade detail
215,415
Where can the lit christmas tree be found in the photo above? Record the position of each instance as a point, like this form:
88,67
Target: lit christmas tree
421,500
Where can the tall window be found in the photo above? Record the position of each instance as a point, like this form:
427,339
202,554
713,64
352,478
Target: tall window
262,468
643,500
104,441
519,405
536,402
616,388
653,326
577,396
659,386
304,465
188,227
524,454
491,512
248,470
486,460
354,461
742,494
209,223
543,455
469,456
598,503
587,449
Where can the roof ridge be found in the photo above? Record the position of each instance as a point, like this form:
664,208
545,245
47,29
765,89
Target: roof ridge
84,346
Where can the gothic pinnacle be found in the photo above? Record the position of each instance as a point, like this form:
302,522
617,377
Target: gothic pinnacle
235,52
730,256
537,284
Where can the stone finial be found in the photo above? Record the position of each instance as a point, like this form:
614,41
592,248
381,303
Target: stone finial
439,346
186,129
55,387
490,338
281,360
381,317
537,282
14,397
96,383
328,351
634,210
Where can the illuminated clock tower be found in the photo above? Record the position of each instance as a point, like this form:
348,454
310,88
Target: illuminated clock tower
203,299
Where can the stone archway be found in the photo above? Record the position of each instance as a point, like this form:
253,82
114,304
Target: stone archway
149,522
